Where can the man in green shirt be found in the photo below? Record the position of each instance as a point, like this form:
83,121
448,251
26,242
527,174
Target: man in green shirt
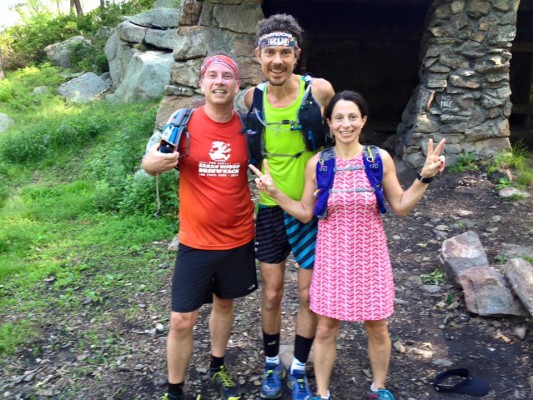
278,50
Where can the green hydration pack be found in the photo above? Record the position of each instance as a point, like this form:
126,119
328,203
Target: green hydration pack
309,121
325,175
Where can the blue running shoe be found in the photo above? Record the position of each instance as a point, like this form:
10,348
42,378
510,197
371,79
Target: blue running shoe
228,389
272,387
380,394
297,381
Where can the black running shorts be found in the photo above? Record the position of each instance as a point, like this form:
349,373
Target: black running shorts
200,273
271,242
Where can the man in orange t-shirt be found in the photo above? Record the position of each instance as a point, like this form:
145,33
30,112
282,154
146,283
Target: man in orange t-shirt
216,259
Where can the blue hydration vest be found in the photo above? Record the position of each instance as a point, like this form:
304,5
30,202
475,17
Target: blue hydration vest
325,175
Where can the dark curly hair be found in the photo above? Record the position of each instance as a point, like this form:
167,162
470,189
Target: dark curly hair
281,23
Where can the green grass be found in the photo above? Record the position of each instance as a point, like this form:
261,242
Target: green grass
76,219
519,160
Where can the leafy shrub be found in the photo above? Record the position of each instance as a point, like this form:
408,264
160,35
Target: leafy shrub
465,162
120,187
519,159
16,92
33,143
23,44
140,194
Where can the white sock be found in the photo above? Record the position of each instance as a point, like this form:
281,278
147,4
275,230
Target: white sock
272,360
373,388
328,396
297,365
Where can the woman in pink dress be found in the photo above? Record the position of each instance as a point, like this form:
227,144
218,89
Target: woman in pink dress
352,276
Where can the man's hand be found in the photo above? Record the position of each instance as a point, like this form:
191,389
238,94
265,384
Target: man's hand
155,162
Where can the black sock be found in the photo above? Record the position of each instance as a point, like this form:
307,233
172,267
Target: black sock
175,390
216,363
302,348
271,344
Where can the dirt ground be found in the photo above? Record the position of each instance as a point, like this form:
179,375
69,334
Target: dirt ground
431,329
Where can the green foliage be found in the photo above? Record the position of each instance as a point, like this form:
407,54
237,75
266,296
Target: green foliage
465,162
501,259
16,92
58,202
42,139
503,183
23,44
76,216
433,278
140,194
120,186
13,335
519,159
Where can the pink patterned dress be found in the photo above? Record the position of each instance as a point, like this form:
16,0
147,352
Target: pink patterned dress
352,277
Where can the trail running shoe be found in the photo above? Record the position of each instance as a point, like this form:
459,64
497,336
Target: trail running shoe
272,387
380,394
182,397
297,381
228,389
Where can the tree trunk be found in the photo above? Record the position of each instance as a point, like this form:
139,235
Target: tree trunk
2,75
77,5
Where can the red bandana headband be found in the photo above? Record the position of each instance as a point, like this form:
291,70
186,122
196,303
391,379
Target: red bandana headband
220,59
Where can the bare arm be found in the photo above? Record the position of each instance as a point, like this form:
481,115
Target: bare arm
249,97
302,209
400,201
322,91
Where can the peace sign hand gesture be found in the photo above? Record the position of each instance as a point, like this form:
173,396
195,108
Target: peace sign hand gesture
264,182
435,162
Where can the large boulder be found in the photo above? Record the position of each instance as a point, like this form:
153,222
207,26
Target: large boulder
520,275
58,53
146,77
486,293
84,88
461,253
6,122
119,55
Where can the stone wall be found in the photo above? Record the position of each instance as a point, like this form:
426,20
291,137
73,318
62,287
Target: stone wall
205,27
464,93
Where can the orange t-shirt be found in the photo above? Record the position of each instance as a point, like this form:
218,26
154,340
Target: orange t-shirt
215,207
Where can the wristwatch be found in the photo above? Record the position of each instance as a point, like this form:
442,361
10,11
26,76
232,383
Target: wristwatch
422,179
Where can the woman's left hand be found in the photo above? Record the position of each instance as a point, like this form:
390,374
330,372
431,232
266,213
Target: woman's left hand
435,162
264,181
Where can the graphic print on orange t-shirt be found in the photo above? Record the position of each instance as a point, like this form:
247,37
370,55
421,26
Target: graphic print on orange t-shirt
216,211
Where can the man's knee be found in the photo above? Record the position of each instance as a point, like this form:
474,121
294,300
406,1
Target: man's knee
303,296
272,298
182,323
222,306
